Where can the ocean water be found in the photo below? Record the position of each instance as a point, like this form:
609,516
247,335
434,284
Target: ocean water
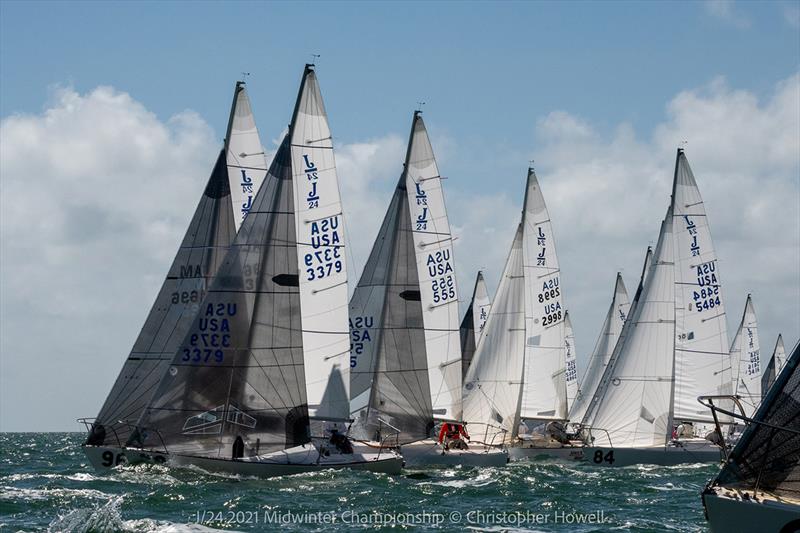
46,484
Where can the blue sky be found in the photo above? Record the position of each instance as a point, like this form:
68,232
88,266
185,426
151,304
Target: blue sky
599,93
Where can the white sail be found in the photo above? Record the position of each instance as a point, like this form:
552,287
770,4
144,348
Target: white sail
633,402
612,326
433,244
544,378
702,362
780,355
321,257
570,362
746,361
481,305
247,164
492,384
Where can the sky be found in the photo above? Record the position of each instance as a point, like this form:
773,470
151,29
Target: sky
112,114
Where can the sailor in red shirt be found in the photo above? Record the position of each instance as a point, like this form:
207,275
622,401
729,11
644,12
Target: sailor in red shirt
450,436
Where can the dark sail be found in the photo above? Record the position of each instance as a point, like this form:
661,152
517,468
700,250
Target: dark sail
767,457
206,240
239,372
388,293
467,332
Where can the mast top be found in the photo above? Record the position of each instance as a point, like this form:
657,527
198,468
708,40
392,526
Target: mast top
242,81
418,110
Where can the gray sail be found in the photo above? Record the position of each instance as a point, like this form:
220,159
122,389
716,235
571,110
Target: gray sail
237,383
395,374
206,240
467,332
239,371
767,457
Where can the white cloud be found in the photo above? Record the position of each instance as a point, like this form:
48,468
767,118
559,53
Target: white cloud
607,197
725,10
97,192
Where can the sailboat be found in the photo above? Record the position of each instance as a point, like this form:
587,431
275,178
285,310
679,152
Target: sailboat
235,179
672,349
474,320
746,361
406,355
603,348
774,366
519,375
758,488
259,384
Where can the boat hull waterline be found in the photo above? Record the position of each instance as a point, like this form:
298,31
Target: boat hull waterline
296,460
428,452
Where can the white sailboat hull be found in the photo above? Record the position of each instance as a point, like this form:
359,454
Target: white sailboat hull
296,460
428,452
727,512
694,451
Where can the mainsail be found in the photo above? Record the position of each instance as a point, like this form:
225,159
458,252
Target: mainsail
544,395
474,321
207,238
493,382
746,361
774,366
702,357
255,364
767,456
612,326
406,355
671,349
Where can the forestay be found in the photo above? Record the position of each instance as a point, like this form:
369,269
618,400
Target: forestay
746,361
240,373
609,333
544,394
